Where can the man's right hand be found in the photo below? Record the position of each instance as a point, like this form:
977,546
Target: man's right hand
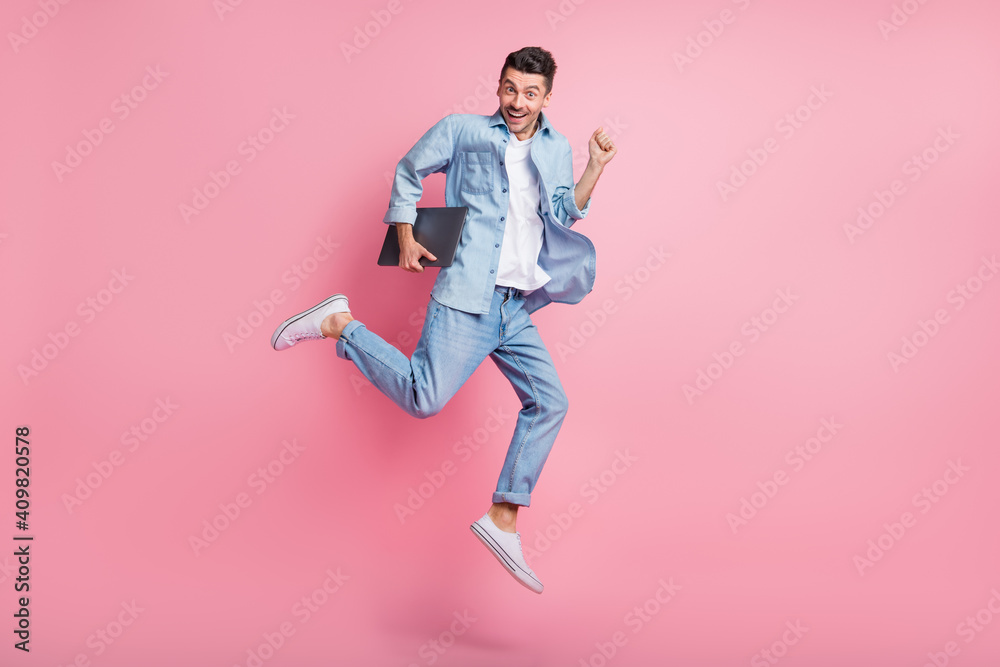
410,251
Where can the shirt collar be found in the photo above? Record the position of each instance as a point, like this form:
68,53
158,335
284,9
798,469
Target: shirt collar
543,121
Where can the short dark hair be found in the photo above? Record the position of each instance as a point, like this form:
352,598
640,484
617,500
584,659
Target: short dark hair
532,60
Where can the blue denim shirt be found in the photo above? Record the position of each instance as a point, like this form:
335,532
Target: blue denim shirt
470,149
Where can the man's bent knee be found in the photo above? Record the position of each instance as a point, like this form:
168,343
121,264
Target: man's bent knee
557,405
425,409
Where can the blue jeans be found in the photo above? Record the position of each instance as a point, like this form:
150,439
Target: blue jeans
452,345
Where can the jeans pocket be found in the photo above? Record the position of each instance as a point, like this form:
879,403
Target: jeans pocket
477,172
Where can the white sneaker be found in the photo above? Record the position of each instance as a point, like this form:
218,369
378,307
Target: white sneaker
305,325
507,549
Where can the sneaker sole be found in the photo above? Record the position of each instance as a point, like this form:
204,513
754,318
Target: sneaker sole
296,318
501,555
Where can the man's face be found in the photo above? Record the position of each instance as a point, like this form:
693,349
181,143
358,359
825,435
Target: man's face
522,97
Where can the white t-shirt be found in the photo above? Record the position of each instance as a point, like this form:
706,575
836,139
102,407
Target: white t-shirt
522,237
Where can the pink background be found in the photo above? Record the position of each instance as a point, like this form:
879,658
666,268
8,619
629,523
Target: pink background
625,354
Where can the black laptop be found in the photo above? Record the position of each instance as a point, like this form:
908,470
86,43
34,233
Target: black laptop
438,229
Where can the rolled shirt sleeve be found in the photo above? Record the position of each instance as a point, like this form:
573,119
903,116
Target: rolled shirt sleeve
564,197
431,154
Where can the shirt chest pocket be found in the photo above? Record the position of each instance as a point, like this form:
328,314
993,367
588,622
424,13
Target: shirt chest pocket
477,172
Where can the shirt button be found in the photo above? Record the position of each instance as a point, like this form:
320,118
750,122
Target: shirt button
505,189
491,270
501,219
496,245
501,164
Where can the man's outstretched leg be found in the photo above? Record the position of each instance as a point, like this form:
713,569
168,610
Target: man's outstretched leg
451,346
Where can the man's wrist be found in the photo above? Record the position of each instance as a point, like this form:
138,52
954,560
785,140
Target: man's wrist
404,231
594,167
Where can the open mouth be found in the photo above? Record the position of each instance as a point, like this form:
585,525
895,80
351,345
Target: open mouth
516,116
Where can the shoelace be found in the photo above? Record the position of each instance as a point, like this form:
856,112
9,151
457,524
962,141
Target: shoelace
303,336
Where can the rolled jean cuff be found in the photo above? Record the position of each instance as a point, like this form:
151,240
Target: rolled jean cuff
345,334
523,499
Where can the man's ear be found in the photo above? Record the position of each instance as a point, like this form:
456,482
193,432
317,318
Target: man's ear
548,96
